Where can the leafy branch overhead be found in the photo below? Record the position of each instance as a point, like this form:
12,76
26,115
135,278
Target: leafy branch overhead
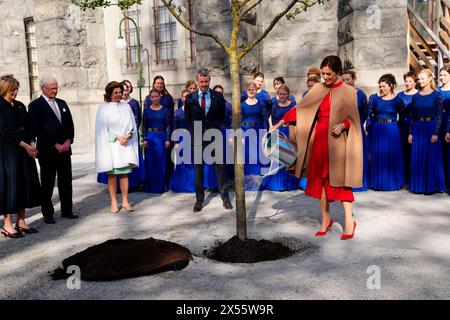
239,10
93,4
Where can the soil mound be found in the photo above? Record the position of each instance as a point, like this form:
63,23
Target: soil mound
118,258
249,251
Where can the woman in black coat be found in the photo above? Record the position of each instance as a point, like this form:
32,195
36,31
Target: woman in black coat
19,182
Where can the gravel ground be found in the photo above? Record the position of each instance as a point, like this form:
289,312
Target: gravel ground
403,236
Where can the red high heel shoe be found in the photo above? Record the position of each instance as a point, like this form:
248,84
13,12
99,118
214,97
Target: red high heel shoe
349,236
323,233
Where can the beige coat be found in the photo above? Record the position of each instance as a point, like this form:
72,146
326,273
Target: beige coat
345,150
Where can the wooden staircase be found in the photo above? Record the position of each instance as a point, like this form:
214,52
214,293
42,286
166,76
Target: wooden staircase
429,43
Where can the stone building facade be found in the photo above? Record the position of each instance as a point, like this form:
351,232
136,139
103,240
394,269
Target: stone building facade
79,48
369,35
41,36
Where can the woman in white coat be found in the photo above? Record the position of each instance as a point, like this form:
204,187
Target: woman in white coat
116,143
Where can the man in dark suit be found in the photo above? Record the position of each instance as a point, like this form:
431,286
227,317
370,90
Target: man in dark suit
51,123
207,107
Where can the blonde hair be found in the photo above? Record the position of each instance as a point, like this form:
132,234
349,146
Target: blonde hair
314,71
430,74
190,83
251,84
7,84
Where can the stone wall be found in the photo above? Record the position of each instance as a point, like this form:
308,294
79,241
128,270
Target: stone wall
70,46
373,39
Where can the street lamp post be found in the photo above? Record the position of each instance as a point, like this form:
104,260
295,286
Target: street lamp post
121,44
148,65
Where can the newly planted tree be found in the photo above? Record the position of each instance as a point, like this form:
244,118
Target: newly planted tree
239,10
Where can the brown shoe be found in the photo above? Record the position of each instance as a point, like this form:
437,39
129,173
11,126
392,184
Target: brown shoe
227,205
198,207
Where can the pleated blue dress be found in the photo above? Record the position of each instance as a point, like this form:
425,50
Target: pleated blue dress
157,132
404,124
167,102
363,110
427,172
281,181
385,157
183,177
254,118
137,176
445,147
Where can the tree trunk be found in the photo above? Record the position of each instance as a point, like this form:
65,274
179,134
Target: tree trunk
241,215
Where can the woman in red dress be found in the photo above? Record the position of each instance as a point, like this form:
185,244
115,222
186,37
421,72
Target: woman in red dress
328,136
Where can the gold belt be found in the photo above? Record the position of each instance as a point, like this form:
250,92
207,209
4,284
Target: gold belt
155,129
425,119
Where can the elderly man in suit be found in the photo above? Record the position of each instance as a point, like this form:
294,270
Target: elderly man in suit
207,107
51,123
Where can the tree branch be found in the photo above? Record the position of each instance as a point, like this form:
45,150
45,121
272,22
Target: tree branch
306,4
168,5
243,4
250,9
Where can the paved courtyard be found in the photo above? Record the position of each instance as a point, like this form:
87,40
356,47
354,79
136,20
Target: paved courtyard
403,238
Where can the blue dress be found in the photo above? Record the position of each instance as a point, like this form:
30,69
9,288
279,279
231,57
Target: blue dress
167,102
426,173
137,176
445,146
386,166
156,153
281,181
363,111
183,178
263,97
254,118
404,123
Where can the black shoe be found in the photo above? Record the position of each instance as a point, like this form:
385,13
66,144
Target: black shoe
26,230
49,220
70,216
11,235
227,205
198,207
